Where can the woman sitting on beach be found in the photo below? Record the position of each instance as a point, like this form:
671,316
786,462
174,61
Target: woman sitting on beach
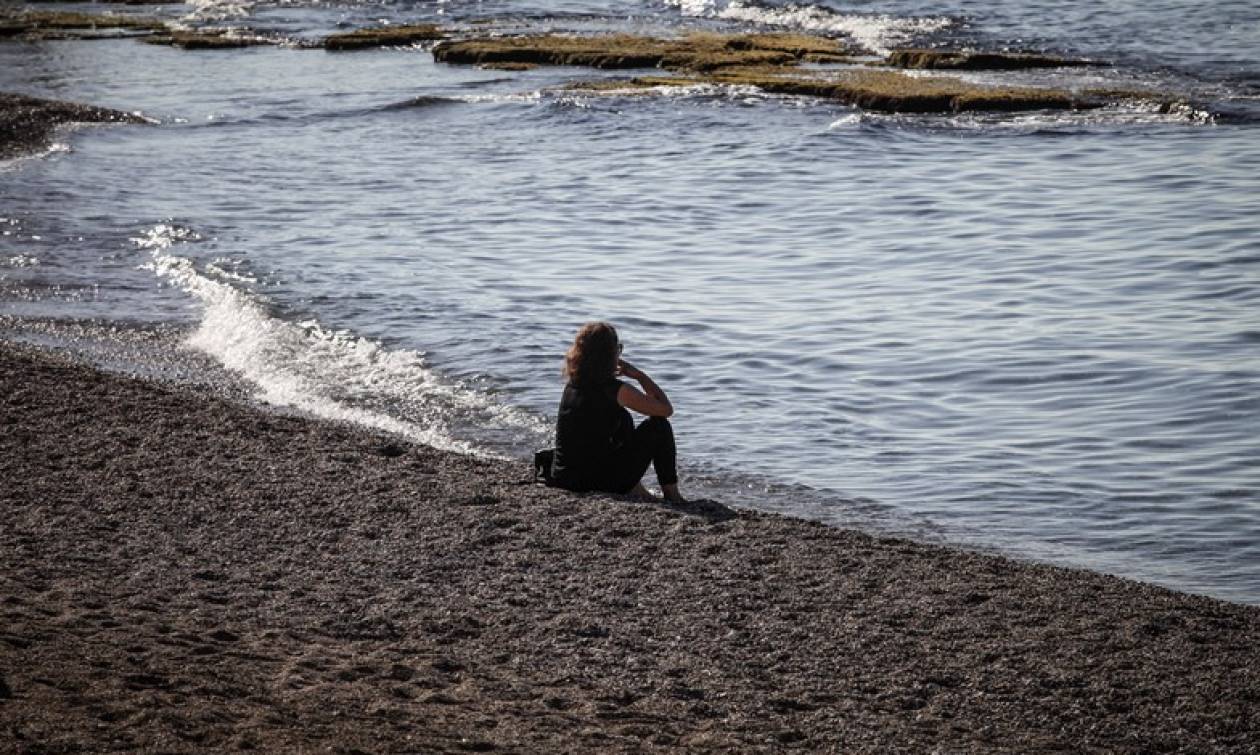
597,445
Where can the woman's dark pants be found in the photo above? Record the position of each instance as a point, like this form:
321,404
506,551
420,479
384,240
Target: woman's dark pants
651,443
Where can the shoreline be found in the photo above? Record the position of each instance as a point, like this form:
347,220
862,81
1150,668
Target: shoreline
184,572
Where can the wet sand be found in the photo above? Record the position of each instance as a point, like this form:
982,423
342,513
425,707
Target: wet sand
179,572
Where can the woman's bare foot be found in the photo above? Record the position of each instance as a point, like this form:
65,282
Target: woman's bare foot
671,494
641,493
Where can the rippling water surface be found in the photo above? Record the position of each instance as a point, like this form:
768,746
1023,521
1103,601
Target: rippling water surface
1033,332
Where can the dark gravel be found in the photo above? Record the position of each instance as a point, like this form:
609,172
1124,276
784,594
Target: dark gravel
181,573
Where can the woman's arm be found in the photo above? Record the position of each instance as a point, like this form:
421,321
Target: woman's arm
651,401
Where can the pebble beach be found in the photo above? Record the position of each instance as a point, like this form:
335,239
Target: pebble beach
180,572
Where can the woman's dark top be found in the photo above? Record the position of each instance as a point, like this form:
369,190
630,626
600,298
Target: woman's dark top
590,427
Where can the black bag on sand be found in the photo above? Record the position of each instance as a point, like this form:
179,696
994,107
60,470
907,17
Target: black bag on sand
542,465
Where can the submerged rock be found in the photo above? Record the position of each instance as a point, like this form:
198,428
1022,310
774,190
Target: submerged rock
210,39
72,25
892,92
44,24
802,46
27,123
385,36
637,83
695,52
889,91
509,66
978,61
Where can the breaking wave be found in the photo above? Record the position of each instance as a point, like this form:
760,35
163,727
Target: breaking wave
329,373
1137,114
877,33
217,10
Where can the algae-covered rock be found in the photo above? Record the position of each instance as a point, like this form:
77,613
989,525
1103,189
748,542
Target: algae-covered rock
695,52
978,61
385,36
638,82
799,45
209,39
882,91
770,62
898,93
37,24
27,123
616,51
509,66
890,91
825,57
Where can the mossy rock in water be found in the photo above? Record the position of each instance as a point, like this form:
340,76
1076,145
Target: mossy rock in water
11,27
799,45
768,62
978,61
883,91
824,57
892,92
637,83
509,66
385,36
695,52
209,39
41,23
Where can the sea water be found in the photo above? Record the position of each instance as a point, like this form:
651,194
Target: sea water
1034,332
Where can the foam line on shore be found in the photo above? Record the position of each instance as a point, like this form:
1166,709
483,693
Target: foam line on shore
329,373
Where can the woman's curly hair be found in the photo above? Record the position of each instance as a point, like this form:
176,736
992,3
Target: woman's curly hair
593,356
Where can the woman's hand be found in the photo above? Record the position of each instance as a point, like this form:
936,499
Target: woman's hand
651,401
625,369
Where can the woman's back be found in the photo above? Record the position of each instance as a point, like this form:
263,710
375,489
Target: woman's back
590,425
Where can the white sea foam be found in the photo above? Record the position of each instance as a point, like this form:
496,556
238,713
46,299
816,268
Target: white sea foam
55,148
329,373
231,269
845,122
521,97
218,10
1129,114
23,260
732,91
878,33
578,98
